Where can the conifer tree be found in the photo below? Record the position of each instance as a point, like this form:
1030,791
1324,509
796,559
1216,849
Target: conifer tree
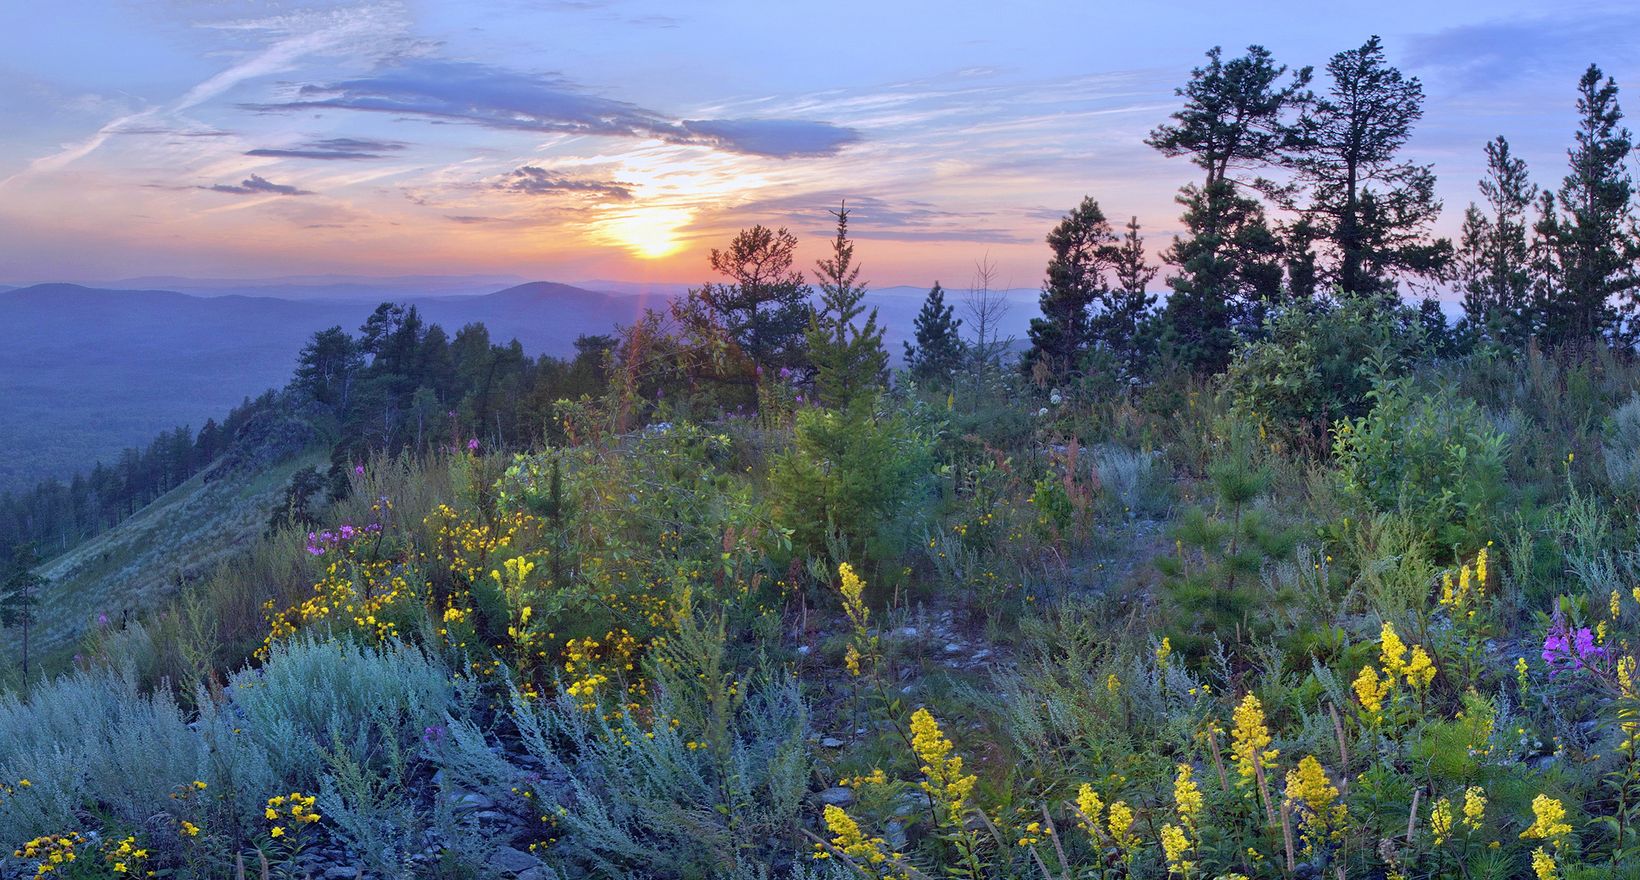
1494,254
849,359
1124,306
1372,210
1081,252
19,594
765,306
1235,118
938,352
1590,285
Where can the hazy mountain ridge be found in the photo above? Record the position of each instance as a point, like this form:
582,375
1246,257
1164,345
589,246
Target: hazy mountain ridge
90,371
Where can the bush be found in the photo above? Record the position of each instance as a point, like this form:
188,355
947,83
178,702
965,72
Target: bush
848,481
1317,361
1433,457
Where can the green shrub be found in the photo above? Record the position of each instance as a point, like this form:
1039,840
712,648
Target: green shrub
1431,456
849,479
1317,361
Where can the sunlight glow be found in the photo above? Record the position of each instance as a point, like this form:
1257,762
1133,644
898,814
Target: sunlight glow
648,233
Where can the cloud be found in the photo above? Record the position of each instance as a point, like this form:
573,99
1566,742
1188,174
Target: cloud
477,94
1486,54
331,149
534,180
257,186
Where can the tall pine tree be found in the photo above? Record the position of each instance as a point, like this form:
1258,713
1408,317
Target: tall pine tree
1590,286
765,306
849,360
1081,251
938,352
1124,306
1236,117
1494,254
1372,210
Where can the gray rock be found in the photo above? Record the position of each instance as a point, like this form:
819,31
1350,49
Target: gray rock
836,796
831,742
341,872
508,860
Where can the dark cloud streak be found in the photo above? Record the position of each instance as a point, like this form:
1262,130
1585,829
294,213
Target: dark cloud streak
256,185
477,94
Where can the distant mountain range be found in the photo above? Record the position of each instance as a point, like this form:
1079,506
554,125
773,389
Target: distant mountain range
87,371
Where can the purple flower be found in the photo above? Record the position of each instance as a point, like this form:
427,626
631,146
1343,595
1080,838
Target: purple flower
433,735
472,445
102,619
1564,648
785,372
358,469
347,532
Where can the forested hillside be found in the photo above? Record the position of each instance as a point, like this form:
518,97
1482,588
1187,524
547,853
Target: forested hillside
1283,575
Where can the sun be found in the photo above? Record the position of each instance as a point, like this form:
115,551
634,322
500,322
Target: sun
648,233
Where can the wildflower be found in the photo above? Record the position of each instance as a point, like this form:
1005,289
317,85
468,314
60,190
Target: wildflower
1120,824
1543,865
1420,670
1440,820
1249,738
1391,650
1113,684
946,784
1087,801
1175,846
1521,670
1474,806
1564,648
1549,820
277,831
1616,605
1187,796
188,829
1164,650
850,840
1370,691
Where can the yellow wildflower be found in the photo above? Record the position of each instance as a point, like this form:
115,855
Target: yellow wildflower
1391,650
1187,796
1549,820
1440,820
1120,823
945,781
1175,846
1474,806
1543,865
1371,691
1249,738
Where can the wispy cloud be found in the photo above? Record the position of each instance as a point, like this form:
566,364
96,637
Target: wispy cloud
342,148
256,185
534,180
478,94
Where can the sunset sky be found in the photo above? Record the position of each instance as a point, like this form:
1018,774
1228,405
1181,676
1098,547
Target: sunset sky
602,139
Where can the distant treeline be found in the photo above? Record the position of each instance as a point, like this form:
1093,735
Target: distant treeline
55,515
400,384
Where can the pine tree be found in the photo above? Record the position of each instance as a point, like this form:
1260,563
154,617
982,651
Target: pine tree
1592,243
19,594
1081,251
939,350
1124,307
765,307
1494,254
1371,210
849,360
1236,117
1230,267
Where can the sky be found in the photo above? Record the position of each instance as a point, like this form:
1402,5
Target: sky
623,139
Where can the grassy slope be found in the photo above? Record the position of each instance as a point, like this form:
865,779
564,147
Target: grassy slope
181,536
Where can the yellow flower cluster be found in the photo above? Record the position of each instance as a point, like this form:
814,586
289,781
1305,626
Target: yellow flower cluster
1462,595
1175,846
944,780
1548,820
50,852
126,857
869,853
294,810
862,645
1413,665
1187,796
1250,739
